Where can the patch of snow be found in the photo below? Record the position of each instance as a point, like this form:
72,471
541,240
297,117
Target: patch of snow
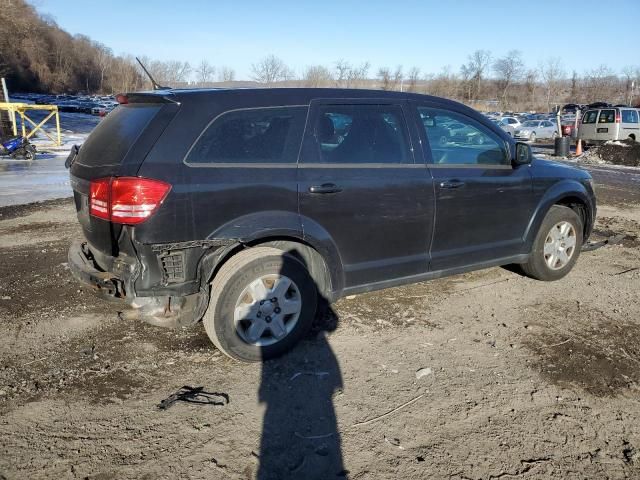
45,177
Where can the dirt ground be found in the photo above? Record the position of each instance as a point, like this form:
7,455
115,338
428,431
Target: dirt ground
518,378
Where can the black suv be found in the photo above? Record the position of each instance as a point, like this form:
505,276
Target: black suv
243,207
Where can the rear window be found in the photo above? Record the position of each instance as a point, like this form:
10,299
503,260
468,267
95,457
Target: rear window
109,143
258,135
629,116
607,116
590,116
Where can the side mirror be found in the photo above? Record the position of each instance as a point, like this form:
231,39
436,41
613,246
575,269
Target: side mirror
523,154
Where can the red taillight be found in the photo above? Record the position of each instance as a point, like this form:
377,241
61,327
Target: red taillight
99,198
618,118
122,99
127,200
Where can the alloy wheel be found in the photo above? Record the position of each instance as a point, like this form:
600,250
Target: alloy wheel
560,245
267,310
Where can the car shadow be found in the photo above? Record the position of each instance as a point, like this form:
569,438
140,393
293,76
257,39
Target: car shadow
300,437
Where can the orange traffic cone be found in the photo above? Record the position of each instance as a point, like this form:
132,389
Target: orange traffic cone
578,147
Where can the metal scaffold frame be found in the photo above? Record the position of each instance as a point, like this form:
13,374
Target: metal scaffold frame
21,109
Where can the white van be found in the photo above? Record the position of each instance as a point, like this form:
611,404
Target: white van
615,123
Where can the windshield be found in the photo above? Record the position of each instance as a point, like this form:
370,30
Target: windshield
530,124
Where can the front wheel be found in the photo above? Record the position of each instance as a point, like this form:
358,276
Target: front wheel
532,138
557,245
263,301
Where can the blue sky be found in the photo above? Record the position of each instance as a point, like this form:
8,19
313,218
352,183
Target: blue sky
427,34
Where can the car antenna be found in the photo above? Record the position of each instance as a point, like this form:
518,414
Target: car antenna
155,84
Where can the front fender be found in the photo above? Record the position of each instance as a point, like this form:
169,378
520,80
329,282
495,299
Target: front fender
560,192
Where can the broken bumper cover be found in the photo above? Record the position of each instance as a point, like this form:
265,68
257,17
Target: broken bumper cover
162,310
84,268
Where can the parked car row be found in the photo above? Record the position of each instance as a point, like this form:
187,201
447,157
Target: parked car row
526,126
92,105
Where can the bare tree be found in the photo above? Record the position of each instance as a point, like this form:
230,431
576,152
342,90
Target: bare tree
104,59
317,76
573,96
397,78
226,74
204,72
271,69
357,76
177,71
508,69
552,75
445,84
390,80
342,72
412,79
600,83
631,80
475,68
384,77
531,84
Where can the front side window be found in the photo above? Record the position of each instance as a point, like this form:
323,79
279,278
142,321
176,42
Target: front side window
590,116
629,116
459,140
361,134
260,135
607,116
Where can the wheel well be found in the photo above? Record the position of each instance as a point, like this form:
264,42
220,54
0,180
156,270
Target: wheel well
632,137
313,260
577,205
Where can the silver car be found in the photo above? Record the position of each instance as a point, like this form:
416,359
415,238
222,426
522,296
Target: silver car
534,129
504,126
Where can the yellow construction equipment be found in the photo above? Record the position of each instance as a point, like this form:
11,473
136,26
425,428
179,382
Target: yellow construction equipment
21,109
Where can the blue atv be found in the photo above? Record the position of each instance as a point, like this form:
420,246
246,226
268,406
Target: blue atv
18,148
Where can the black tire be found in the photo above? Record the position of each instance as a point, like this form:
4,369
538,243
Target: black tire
537,266
229,283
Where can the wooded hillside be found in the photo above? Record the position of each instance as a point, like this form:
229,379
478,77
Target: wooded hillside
38,56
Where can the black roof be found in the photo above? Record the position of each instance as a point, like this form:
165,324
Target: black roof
293,96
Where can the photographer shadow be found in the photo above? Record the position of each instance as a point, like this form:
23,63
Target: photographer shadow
300,437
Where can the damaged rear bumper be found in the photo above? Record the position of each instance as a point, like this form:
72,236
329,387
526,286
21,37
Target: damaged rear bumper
162,310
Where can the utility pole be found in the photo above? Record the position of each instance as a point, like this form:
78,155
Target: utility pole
11,115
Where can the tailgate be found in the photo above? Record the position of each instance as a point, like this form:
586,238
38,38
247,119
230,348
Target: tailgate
117,147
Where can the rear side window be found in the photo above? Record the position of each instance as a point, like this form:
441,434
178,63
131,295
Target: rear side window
607,116
629,116
590,117
361,134
258,135
109,143
456,139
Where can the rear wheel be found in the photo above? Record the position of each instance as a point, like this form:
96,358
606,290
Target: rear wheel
557,245
263,302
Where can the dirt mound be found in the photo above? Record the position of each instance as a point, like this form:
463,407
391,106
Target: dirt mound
620,153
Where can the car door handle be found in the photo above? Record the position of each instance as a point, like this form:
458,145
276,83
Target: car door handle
325,188
451,184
